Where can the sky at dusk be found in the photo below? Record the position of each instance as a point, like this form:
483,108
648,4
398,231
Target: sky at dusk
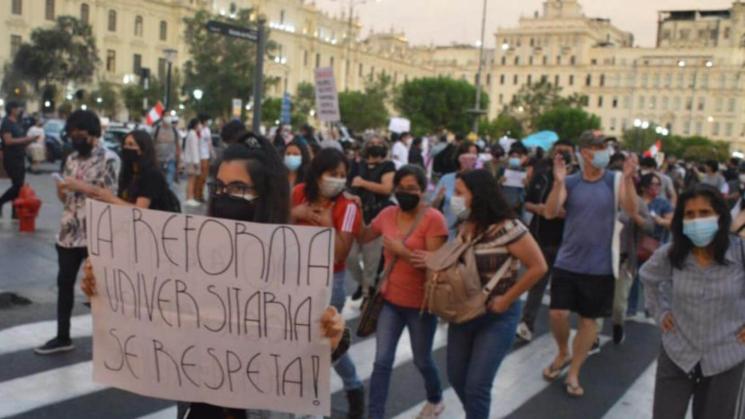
443,22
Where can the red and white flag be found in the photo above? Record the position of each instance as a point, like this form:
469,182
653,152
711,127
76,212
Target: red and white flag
155,114
654,149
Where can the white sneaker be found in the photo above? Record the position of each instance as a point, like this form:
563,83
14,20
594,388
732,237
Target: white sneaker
524,333
192,203
431,411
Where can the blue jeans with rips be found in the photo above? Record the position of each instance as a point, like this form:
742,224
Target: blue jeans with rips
391,325
475,350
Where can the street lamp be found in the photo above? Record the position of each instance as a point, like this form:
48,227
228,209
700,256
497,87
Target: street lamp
198,94
681,63
170,58
99,100
505,46
350,21
477,107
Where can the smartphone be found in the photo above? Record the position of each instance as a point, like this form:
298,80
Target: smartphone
58,177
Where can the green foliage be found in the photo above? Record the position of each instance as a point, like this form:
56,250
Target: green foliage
366,110
63,53
271,111
503,124
694,148
567,122
437,102
532,100
222,67
133,96
109,94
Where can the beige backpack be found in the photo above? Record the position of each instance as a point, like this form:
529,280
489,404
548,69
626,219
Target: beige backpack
453,290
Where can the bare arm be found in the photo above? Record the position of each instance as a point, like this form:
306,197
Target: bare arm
628,190
10,141
385,187
527,251
558,195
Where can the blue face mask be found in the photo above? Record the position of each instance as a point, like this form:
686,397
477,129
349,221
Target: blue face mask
601,158
514,162
701,231
293,162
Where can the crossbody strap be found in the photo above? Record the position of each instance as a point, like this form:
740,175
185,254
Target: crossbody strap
494,281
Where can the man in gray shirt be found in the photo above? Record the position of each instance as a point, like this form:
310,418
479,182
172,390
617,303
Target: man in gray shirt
167,149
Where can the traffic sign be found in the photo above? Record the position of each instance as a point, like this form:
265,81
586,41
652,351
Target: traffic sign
233,31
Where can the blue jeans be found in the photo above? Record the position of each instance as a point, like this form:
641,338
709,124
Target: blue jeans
421,328
344,365
169,171
475,350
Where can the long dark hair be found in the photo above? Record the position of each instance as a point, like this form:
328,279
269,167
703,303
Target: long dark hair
268,174
682,245
305,158
146,164
326,159
646,181
488,205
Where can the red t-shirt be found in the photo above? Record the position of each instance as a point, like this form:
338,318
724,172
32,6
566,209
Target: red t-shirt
405,286
345,213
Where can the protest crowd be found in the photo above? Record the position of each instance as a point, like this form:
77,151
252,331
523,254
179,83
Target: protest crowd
448,228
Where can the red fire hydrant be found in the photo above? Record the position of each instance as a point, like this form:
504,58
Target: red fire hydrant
27,207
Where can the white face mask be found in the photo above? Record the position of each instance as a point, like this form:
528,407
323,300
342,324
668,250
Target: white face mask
331,187
458,206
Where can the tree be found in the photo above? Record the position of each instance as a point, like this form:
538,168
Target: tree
567,122
534,99
434,103
134,96
503,125
271,111
304,100
366,109
108,93
694,148
222,67
64,53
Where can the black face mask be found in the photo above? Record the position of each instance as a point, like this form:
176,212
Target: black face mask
82,146
232,208
130,156
407,201
376,151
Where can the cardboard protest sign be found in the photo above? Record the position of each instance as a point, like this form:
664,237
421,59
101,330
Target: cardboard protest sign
209,310
399,125
327,98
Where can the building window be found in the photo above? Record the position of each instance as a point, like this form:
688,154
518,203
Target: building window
545,60
645,79
49,10
85,13
501,79
642,102
162,68
656,80
16,7
163,30
504,60
331,61
530,78
112,20
701,103
614,103
372,72
530,60
719,104
588,80
517,60
572,60
111,61
627,102
731,104
689,103
515,79
556,80
136,63
613,124
558,60
282,16
653,102
676,103
715,129
501,98
728,129
600,101
684,34
488,79
665,103
571,79
668,80
699,127
15,44
318,60
361,71
602,80
138,26
725,35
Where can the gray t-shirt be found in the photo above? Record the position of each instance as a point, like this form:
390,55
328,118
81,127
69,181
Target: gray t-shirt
165,139
588,226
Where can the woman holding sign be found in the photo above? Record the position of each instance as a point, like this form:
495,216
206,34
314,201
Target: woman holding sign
321,201
251,185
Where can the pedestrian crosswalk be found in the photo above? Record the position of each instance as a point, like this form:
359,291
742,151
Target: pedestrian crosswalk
64,391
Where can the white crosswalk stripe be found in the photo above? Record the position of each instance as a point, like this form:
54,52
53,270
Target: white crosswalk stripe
27,336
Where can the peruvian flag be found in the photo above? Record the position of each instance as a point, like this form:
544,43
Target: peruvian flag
656,148
155,114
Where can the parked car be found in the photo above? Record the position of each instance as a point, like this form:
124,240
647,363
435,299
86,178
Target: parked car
55,139
114,137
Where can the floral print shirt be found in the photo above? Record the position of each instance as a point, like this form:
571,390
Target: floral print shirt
99,169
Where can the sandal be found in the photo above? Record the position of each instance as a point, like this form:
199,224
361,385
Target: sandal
552,372
574,390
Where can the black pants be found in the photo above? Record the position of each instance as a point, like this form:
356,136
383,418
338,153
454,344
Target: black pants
69,260
714,397
535,295
16,169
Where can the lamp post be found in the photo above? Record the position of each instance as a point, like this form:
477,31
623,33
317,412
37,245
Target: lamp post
170,58
349,40
477,106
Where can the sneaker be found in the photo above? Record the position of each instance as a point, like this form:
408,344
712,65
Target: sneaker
524,333
55,345
595,349
618,335
356,400
431,410
192,203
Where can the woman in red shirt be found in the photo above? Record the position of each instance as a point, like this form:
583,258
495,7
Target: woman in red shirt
405,228
321,201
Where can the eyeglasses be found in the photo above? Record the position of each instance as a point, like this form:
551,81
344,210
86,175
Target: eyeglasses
234,189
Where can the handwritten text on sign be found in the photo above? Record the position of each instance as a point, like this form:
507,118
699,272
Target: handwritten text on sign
208,310
327,98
